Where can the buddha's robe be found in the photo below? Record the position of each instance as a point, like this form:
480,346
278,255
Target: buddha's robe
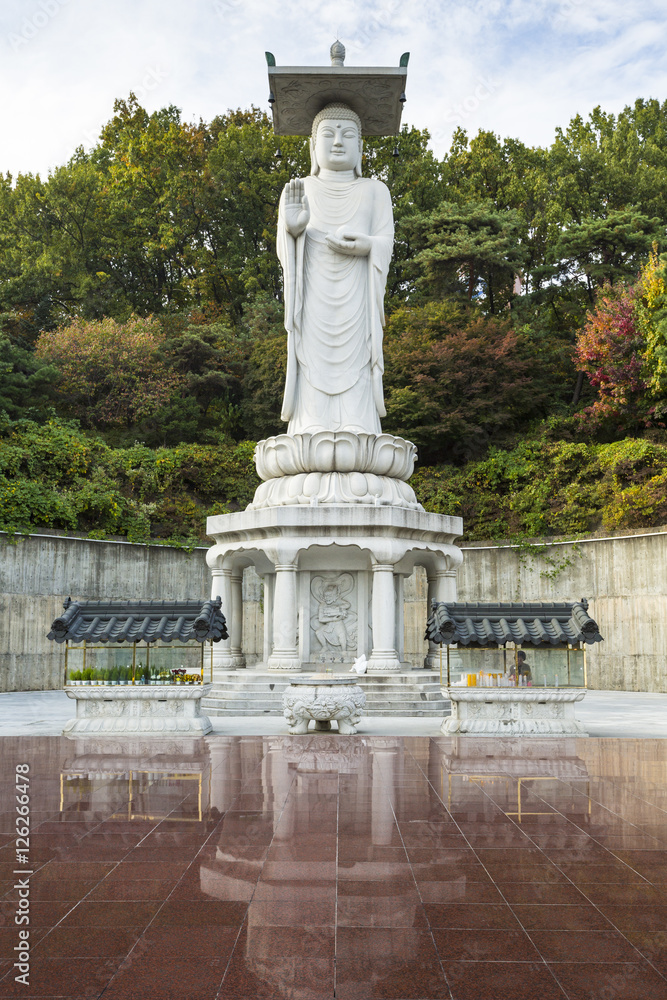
334,308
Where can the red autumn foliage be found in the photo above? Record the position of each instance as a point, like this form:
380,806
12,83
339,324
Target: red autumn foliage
609,350
455,379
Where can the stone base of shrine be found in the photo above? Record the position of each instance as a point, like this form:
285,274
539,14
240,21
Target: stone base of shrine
333,580
172,710
513,712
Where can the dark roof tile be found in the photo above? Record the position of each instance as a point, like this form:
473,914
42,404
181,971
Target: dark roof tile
532,624
140,621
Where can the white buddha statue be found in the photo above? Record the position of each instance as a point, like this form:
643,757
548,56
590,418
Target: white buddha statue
335,239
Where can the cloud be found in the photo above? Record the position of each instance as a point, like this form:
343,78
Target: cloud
516,67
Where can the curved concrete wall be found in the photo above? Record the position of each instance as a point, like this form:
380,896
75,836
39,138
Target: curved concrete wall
625,579
39,572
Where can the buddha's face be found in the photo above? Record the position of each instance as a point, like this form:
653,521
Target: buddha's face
337,144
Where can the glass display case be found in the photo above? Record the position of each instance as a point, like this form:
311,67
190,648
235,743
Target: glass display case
513,666
157,663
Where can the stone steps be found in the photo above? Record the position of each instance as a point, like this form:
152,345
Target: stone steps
250,693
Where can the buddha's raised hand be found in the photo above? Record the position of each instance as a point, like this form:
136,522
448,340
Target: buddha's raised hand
295,207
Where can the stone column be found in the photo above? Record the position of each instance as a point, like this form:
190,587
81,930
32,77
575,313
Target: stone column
399,638
285,655
445,585
384,657
431,661
267,639
222,587
236,629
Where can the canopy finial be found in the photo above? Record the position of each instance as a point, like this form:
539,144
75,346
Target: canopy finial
337,53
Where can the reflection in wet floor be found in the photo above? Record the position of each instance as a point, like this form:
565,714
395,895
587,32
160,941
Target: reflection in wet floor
355,867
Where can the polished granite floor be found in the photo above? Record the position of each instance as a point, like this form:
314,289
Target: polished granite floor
321,866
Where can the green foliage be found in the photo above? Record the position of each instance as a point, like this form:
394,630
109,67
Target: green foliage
108,372
265,383
56,476
465,246
454,380
603,250
652,323
542,488
145,272
25,380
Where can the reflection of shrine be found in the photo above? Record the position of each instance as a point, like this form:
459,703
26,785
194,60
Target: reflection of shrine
315,800
232,861
128,782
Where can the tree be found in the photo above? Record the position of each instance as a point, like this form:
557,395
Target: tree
26,381
209,357
158,201
248,177
110,373
465,246
46,232
609,351
652,322
266,368
600,250
454,380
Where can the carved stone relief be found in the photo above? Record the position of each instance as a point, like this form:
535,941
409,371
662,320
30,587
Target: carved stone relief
333,622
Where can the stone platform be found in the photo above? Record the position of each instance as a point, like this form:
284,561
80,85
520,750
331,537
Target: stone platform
514,711
140,710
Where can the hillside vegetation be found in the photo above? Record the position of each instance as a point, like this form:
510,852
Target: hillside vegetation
142,350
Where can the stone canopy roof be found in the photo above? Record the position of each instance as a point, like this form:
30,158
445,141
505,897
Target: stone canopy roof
140,621
375,93
479,624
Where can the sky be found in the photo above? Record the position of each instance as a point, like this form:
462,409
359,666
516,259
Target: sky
519,68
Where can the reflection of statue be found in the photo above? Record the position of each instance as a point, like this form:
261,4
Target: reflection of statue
334,624
335,238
